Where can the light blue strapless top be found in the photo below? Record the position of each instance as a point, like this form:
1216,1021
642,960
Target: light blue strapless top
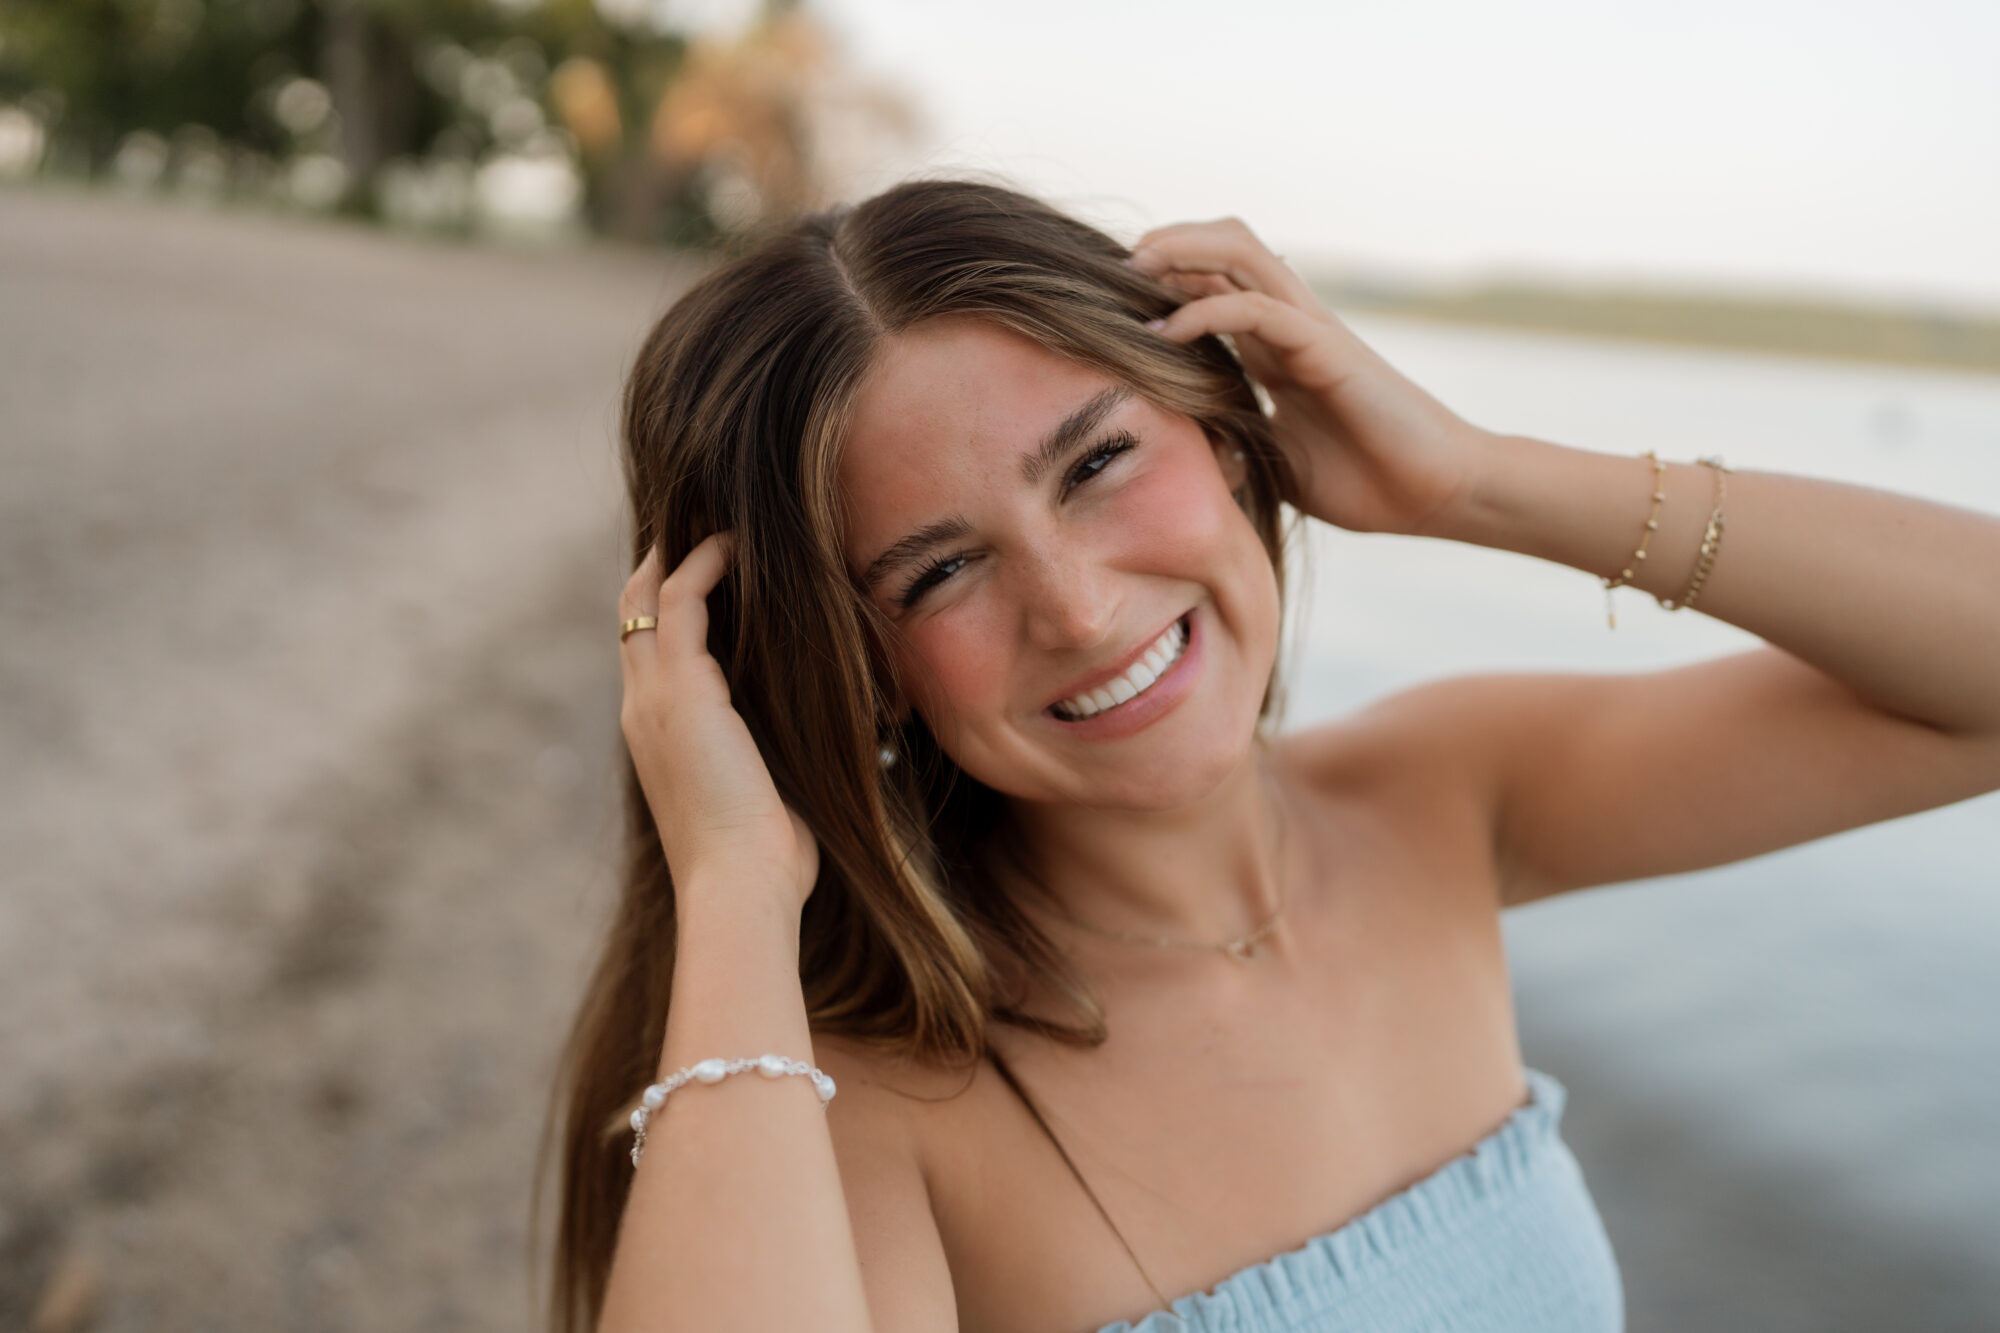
1501,1239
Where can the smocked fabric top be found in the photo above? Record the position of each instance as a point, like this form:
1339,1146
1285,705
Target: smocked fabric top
1502,1239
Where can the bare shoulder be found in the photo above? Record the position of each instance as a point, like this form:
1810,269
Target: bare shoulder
1441,723
876,1122
1419,768
1437,731
1589,778
887,1095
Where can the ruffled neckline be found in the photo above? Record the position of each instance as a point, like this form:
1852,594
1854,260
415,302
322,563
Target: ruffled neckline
1334,1262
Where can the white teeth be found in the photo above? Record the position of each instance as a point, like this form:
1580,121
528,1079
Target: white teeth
1138,678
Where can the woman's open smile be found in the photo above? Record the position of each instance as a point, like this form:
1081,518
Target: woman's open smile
1065,562
1122,700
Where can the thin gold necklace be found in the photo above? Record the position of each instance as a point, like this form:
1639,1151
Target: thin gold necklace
1241,948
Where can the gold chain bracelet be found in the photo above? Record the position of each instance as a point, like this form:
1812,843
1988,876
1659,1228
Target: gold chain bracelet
1711,539
1652,525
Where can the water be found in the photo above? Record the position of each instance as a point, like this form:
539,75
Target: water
1785,1072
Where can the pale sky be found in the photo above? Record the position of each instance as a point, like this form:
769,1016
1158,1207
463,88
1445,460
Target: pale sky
1823,146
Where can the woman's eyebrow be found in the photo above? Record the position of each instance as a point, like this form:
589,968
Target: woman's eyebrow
1072,430
906,549
1068,433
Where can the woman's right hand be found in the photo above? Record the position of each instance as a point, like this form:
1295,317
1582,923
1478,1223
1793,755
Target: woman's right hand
722,824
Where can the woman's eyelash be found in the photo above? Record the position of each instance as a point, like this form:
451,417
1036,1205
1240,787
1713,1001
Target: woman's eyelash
937,571
1100,453
933,573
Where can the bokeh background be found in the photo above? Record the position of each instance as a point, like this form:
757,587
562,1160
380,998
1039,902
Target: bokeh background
313,314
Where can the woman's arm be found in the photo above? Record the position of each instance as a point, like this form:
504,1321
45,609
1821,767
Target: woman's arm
1879,698
738,1217
1895,597
753,1207
1880,694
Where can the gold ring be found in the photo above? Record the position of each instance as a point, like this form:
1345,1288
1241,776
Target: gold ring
637,623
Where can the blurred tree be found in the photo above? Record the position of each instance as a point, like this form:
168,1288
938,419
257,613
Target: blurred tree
444,112
103,68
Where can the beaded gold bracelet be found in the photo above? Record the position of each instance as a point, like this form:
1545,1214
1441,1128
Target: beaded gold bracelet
1711,539
1652,525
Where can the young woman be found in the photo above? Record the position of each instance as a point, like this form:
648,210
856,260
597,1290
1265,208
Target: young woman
948,670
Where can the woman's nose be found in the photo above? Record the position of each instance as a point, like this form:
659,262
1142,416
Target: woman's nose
1071,600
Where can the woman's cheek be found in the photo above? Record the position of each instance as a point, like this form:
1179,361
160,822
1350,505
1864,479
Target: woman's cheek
1180,521
1176,508
957,670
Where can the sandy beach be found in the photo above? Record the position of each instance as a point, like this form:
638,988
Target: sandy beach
305,541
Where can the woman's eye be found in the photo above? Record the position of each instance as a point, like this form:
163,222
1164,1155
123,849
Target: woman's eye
1096,460
936,572
1092,463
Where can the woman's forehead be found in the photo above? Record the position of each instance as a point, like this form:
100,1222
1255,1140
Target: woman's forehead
957,390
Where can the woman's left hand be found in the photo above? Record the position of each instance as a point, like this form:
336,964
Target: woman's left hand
1372,451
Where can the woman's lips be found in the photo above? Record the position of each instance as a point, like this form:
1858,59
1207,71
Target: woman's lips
1173,685
1142,668
1098,679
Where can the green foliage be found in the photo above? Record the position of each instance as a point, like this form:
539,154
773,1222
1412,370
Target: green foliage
187,93
108,67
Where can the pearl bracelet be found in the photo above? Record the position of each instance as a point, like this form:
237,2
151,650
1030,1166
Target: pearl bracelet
714,1070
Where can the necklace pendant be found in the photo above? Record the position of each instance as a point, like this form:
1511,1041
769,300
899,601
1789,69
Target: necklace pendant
1239,948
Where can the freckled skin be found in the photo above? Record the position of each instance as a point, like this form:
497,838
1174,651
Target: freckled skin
1056,586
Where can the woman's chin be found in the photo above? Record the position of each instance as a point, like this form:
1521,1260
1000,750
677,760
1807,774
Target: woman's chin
1136,781
1187,781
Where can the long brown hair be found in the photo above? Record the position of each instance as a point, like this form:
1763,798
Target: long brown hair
733,413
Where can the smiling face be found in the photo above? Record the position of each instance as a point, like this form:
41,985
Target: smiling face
1086,615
